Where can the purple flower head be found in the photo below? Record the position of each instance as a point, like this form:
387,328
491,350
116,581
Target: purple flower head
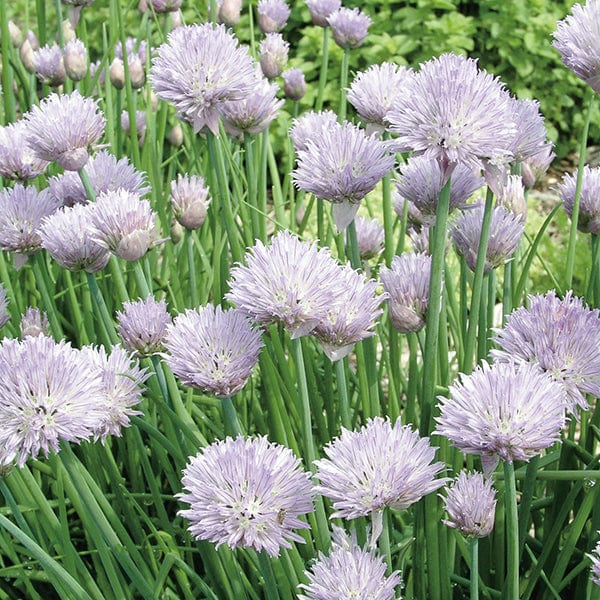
213,350
106,174
511,196
4,314
349,571
349,27
577,38
289,282
304,127
246,493
561,338
422,179
370,236
165,6
190,201
321,10
380,465
374,91
67,235
22,210
252,114
407,284
470,502
453,112
63,128
352,315
49,66
143,326
199,68
273,55
534,167
49,393
124,224
272,15
531,132
342,164
17,159
508,410
506,230
589,200
122,384
75,59
294,84
595,569
34,322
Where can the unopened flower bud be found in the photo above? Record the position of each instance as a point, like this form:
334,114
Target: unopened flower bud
16,35
294,84
229,12
175,136
26,54
189,198
117,73
75,59
137,74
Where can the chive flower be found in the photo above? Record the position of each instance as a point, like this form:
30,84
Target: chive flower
212,349
64,128
248,493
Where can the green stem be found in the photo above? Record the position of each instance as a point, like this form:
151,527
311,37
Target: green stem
438,249
271,590
140,279
388,219
192,269
41,275
511,587
474,553
309,446
467,365
384,542
343,86
162,381
352,252
570,262
231,419
10,111
340,374
87,184
221,188
323,71
104,315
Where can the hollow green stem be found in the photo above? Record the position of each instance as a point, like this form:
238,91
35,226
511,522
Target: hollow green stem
435,303
264,561
324,67
105,319
309,446
478,285
41,275
231,419
340,374
344,85
474,580
570,262
511,585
